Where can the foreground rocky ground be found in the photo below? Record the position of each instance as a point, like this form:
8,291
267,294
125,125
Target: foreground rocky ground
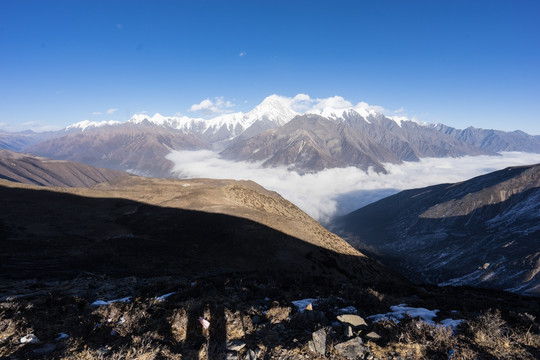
252,316
212,269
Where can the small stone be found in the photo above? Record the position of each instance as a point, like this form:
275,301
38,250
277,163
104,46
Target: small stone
231,356
353,320
45,349
318,344
235,345
348,331
373,335
352,349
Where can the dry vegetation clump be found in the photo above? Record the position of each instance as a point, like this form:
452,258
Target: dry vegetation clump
277,314
414,339
503,340
11,327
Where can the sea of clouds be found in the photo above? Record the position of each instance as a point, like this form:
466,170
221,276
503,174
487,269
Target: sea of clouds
335,192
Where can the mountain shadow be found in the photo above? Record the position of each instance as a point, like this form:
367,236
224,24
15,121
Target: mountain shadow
47,234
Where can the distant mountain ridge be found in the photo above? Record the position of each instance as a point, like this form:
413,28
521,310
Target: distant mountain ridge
35,170
137,148
481,232
280,131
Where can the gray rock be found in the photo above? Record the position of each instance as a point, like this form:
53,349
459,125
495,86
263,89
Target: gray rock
373,336
235,345
348,331
45,349
318,344
352,349
231,356
353,320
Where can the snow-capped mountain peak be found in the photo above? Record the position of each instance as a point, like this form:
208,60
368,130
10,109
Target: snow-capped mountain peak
87,124
274,108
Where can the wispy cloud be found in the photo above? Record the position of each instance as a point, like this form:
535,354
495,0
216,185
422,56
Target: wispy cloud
243,53
212,107
96,113
112,111
339,191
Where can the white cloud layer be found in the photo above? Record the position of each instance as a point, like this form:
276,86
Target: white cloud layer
209,107
339,191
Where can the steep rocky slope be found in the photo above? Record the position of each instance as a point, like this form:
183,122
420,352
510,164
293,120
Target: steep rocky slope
481,232
312,143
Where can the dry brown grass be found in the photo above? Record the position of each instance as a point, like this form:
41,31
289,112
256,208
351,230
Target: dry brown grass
277,314
502,340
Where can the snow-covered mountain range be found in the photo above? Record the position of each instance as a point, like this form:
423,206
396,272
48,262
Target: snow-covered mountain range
299,133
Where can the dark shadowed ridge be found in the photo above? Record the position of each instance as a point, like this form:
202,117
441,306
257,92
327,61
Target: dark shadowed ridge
481,232
52,234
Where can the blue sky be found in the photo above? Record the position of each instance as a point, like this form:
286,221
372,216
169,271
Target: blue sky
461,63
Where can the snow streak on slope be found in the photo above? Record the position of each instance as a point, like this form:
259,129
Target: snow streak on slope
341,190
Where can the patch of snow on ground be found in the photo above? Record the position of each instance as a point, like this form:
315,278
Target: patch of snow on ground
163,297
400,311
102,302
